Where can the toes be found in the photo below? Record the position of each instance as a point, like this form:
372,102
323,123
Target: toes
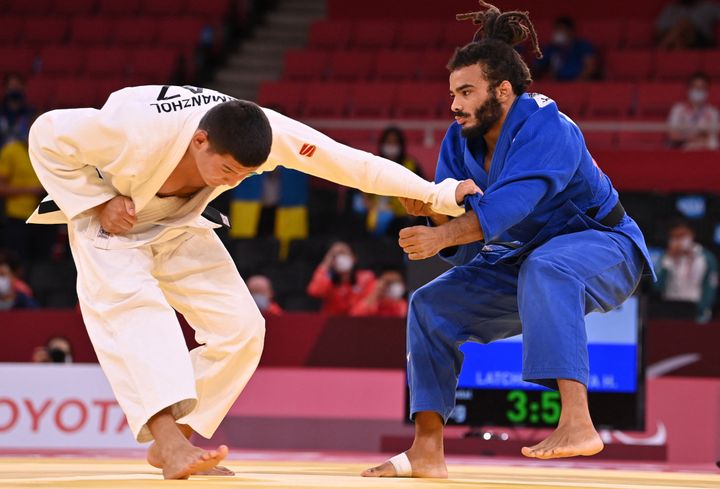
384,470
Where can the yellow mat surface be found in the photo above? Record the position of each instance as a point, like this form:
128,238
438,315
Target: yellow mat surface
128,473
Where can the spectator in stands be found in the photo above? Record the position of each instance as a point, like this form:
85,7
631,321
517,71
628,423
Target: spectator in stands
687,272
57,350
338,282
566,57
685,24
11,299
694,124
21,191
262,292
387,298
16,115
19,285
387,214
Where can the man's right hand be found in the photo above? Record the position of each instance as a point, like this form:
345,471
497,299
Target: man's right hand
117,215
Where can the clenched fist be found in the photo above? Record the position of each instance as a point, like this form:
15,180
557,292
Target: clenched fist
117,215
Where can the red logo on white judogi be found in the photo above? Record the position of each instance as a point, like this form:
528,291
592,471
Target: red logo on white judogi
308,150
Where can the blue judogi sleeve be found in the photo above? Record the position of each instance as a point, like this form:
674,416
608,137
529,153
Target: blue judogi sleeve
450,166
538,164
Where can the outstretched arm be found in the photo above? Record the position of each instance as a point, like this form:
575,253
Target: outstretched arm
302,148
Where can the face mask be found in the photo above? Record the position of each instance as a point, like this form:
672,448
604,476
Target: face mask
5,285
560,37
390,150
395,291
262,301
697,95
344,263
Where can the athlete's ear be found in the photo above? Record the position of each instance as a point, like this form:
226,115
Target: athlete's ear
503,91
200,136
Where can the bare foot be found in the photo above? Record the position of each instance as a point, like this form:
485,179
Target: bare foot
155,459
567,441
181,462
424,465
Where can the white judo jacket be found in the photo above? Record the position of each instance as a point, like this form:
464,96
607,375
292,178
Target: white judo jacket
85,157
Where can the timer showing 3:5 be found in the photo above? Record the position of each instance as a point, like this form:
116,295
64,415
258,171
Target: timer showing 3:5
533,407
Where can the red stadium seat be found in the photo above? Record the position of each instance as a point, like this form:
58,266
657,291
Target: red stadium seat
74,93
74,7
283,96
17,59
677,65
305,65
107,62
137,31
351,65
457,34
330,34
154,65
655,99
91,30
40,91
326,100
62,60
634,140
162,8
396,65
629,65
602,33
571,98
107,86
433,64
422,100
420,34
29,7
116,8
610,100
710,63
598,141
208,10
373,100
11,29
639,34
45,30
374,34
179,32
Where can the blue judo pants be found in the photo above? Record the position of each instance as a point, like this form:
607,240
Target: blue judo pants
546,298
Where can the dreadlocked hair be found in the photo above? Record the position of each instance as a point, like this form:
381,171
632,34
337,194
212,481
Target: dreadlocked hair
492,46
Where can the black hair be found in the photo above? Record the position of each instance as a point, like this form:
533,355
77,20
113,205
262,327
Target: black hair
680,222
565,21
492,46
699,75
401,140
240,129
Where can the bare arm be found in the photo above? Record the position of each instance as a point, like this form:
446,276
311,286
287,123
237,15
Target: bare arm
421,242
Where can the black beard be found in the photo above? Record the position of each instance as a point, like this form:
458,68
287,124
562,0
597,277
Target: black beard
487,115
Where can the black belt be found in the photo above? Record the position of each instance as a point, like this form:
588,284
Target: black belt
612,218
210,213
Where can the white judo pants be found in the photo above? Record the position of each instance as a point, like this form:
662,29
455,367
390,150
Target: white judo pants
127,298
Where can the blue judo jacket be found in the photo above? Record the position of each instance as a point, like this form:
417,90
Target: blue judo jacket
541,184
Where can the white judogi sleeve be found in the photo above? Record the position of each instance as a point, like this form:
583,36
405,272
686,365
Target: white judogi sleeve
66,147
298,146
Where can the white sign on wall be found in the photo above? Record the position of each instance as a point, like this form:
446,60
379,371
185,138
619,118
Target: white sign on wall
59,406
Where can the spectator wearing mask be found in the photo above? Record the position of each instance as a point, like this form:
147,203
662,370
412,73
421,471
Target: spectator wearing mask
387,298
16,115
338,282
262,292
10,298
57,350
694,123
566,57
687,24
688,272
387,214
